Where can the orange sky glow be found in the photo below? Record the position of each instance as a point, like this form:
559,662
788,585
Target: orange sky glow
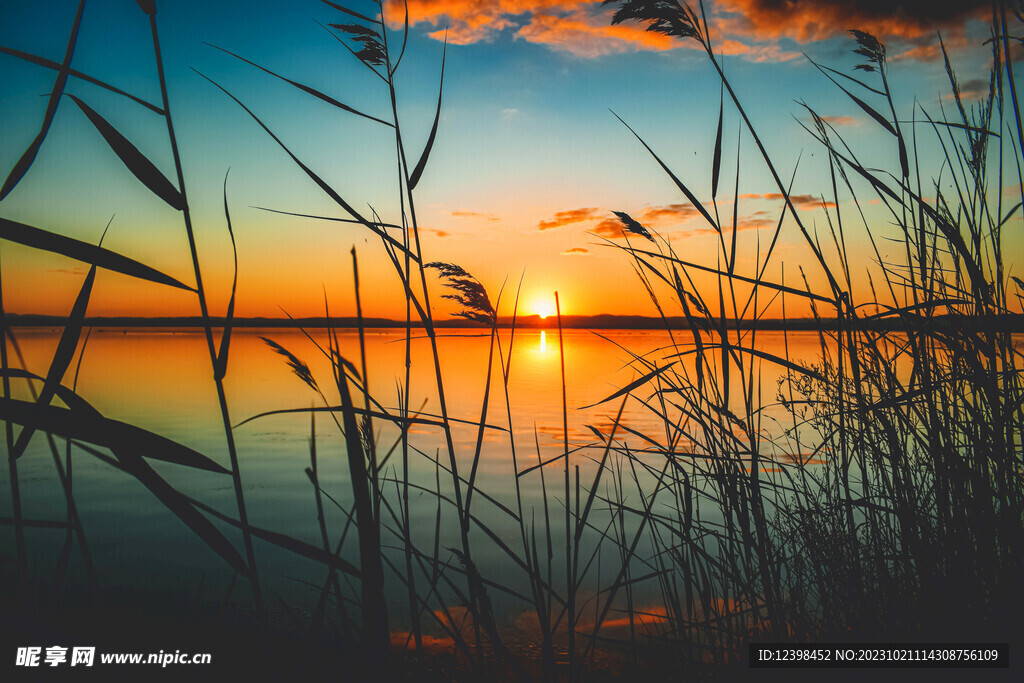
528,168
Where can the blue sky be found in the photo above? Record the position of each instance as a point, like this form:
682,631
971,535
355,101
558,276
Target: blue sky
529,159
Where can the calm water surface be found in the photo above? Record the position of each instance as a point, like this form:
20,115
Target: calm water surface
161,381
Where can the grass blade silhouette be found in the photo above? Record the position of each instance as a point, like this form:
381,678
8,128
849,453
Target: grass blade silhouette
141,167
414,178
316,179
221,366
134,161
716,159
62,356
25,161
37,238
683,188
178,504
84,423
352,13
305,88
55,66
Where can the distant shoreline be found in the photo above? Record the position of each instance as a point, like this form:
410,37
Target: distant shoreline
1006,322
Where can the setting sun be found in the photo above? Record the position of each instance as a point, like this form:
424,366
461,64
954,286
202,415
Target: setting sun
544,307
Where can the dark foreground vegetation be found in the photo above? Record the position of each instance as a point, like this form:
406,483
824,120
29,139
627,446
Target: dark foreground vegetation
888,505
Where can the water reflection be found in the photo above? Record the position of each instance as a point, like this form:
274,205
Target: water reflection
160,381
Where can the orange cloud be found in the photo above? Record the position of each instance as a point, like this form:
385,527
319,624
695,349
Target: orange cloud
580,27
756,221
576,251
747,28
668,214
807,20
754,53
841,120
567,217
807,202
584,35
469,21
475,214
610,228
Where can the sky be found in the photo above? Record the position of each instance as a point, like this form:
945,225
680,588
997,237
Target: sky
529,162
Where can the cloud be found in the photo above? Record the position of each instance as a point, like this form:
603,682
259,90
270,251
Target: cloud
808,20
755,53
610,228
800,201
469,21
576,251
585,35
841,120
436,233
974,89
806,202
576,26
566,218
758,220
579,27
750,29
490,217
668,214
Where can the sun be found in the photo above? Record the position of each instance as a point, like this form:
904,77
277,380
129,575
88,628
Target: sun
543,308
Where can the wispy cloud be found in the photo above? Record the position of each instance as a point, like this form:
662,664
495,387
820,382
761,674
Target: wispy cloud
755,53
610,228
586,35
563,218
759,220
672,215
576,251
841,120
667,214
973,89
750,29
489,217
806,202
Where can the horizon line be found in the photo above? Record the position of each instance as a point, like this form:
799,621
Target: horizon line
1008,321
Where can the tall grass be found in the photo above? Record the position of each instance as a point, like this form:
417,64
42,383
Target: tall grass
80,421
888,505
904,517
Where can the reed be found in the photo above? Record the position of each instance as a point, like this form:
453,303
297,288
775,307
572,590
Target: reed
81,421
854,545
888,505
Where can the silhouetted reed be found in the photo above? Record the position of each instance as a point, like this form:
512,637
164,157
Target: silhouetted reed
889,505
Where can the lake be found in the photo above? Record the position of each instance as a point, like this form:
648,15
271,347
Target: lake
160,380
